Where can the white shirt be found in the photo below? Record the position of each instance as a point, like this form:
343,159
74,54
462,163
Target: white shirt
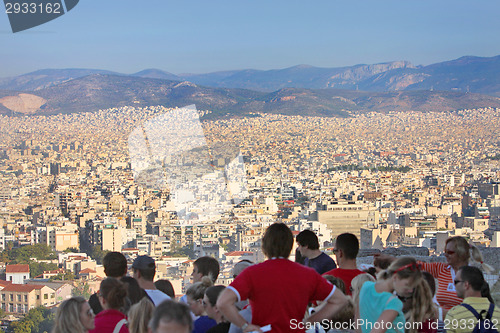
157,296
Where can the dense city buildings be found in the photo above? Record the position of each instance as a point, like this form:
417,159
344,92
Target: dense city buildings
393,179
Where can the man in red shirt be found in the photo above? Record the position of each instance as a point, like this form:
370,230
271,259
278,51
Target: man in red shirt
346,250
278,289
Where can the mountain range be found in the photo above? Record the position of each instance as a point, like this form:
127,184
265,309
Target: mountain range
467,82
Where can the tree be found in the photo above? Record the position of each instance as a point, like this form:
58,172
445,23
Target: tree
71,250
97,254
37,268
37,320
67,275
83,290
23,255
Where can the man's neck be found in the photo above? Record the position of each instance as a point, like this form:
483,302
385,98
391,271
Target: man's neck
314,254
145,284
472,293
348,264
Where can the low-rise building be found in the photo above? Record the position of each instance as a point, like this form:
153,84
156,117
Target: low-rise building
20,298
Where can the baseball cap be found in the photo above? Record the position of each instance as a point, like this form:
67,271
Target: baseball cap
143,262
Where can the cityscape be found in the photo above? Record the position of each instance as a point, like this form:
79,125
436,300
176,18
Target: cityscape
165,146
393,179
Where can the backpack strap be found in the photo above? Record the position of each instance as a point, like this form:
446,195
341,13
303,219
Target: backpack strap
471,309
490,311
119,325
149,297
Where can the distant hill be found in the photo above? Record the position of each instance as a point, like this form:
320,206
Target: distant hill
98,91
153,73
45,78
473,74
467,74
302,76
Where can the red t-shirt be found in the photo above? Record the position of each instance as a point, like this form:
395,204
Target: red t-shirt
345,275
279,291
106,321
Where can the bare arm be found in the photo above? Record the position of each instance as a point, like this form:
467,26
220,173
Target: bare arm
225,303
334,304
386,317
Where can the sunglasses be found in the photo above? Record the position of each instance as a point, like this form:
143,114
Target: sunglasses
404,299
448,252
457,281
412,267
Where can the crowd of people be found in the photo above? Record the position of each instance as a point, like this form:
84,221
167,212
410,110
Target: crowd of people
280,295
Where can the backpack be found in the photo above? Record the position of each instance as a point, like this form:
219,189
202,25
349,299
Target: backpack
119,325
485,324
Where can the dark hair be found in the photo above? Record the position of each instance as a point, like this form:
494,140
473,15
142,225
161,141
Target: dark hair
298,257
147,273
114,292
277,241
213,293
336,281
208,266
169,311
349,245
134,292
308,238
115,264
430,281
382,263
372,271
475,278
166,287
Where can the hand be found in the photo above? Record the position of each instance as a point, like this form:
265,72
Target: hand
252,328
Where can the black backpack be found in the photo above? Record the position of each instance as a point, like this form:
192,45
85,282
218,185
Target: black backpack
485,324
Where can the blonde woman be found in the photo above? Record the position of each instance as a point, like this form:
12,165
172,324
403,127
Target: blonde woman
356,285
422,311
194,297
74,315
458,252
139,316
380,310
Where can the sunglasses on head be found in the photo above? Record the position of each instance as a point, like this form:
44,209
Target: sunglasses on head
412,267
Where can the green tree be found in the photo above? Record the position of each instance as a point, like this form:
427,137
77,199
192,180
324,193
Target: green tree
37,320
67,275
37,268
38,251
82,289
97,254
71,250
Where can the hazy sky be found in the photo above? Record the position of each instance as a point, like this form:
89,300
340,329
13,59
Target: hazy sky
203,36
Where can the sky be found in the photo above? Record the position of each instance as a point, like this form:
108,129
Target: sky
194,36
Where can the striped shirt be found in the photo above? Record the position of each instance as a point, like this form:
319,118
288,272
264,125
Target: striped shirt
461,320
445,293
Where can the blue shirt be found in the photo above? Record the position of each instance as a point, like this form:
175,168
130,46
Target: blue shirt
321,264
373,303
203,324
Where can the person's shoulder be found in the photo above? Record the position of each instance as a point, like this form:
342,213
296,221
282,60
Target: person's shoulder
456,310
332,272
326,255
158,292
368,286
